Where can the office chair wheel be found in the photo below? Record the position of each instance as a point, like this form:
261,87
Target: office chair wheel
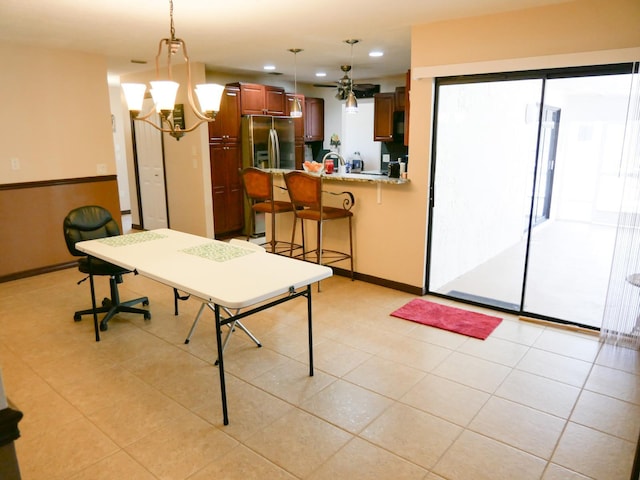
103,327
145,303
77,317
106,302
147,316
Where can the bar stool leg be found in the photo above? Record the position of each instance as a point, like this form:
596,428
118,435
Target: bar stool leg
272,241
319,243
293,236
351,247
319,246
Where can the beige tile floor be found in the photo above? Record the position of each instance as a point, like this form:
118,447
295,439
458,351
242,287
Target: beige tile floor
390,398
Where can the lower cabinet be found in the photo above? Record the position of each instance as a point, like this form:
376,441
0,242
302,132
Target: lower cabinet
226,186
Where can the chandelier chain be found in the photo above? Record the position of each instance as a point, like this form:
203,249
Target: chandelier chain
173,28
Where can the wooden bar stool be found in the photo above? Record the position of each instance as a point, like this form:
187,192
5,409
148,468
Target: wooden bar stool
258,186
305,191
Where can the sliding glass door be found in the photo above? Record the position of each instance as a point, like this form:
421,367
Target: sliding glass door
525,190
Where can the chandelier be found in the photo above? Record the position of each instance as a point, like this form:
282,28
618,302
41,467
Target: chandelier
163,92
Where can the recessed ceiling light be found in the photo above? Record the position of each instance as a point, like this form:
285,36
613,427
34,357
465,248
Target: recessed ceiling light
321,74
376,53
269,67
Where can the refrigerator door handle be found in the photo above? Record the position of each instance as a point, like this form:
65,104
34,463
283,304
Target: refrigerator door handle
276,148
270,149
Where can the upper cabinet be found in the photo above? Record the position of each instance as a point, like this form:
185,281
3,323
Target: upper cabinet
313,119
258,99
391,114
226,127
383,108
400,98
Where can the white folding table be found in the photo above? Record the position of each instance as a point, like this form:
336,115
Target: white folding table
218,273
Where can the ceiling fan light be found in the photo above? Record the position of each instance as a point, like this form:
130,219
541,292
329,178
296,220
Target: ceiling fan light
351,105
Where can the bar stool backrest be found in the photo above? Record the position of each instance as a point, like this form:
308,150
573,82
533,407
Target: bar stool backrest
305,190
258,184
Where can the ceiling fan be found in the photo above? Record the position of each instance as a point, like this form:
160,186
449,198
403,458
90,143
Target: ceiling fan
361,90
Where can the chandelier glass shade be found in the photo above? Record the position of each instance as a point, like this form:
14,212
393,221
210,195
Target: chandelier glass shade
164,91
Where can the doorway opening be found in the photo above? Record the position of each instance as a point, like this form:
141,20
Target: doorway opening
148,160
526,190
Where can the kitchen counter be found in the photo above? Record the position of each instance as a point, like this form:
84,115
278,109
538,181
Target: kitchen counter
380,206
352,177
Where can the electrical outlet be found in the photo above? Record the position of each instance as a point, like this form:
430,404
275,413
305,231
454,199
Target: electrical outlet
102,168
15,164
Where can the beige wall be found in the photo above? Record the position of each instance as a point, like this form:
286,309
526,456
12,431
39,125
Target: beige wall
56,116
606,30
572,27
64,130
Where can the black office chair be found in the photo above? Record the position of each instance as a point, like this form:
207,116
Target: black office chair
89,223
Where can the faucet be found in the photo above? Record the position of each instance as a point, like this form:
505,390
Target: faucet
332,154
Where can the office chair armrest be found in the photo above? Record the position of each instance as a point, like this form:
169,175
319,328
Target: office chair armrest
348,202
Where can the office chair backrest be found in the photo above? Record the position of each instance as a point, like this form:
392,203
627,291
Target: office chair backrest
88,223
258,184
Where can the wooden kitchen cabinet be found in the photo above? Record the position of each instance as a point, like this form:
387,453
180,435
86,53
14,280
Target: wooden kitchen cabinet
274,99
227,124
399,100
225,159
314,120
226,188
383,109
256,99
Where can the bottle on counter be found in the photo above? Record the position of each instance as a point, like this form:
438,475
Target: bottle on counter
355,164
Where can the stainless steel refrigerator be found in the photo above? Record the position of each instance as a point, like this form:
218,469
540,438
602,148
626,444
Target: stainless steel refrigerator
268,142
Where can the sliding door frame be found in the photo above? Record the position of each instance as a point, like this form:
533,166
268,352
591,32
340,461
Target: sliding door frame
544,75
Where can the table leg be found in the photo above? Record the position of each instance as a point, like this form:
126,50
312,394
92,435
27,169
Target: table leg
310,330
93,302
195,322
223,391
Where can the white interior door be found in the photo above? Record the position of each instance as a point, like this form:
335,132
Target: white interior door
153,196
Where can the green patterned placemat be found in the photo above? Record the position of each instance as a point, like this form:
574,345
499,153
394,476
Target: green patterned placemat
218,252
131,238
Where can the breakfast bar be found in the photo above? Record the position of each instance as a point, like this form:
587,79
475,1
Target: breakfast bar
376,197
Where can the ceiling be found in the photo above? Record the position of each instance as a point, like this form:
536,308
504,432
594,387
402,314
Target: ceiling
241,36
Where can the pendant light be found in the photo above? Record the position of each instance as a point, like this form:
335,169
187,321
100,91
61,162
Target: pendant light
296,108
163,91
351,105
